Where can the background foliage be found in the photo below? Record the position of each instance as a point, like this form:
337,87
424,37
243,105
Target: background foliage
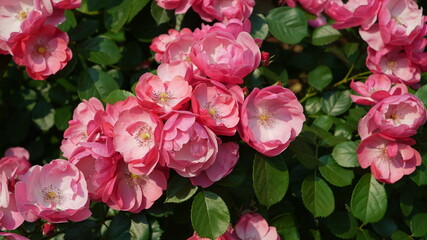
314,190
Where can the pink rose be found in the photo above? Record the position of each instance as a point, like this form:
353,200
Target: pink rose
271,118
226,159
233,26
390,159
133,193
353,13
223,10
98,170
14,164
395,116
10,217
224,58
138,137
188,147
43,49
56,192
12,236
375,88
77,130
66,4
180,6
400,21
216,107
312,6
179,49
159,44
254,226
395,63
166,92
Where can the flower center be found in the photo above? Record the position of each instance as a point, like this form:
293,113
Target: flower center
135,180
162,97
51,195
22,15
143,135
391,64
265,118
41,50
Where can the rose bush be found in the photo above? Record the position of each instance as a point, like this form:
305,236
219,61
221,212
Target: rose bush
213,119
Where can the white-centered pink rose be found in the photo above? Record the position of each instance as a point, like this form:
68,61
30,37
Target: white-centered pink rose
188,146
168,91
395,116
217,108
160,44
254,226
389,158
271,118
138,137
353,13
224,58
223,10
56,192
226,159
375,88
42,49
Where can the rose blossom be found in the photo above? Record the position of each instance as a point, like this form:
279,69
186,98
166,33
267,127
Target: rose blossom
66,4
353,13
233,26
228,235
224,58
395,116
13,236
77,130
131,192
375,88
56,192
188,147
226,159
254,226
137,137
395,63
390,159
179,49
180,6
216,107
312,6
160,44
166,92
271,118
223,10
43,49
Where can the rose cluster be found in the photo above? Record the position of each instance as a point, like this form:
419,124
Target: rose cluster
395,31
30,35
210,10
249,226
56,192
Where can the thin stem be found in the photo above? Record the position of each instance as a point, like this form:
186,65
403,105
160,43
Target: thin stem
311,92
347,79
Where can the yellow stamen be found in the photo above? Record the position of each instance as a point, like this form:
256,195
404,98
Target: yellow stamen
41,50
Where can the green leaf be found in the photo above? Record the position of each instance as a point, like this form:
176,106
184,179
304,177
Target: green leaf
43,115
369,199
385,227
209,215
268,174
123,227
335,103
421,93
304,152
324,35
116,17
350,48
345,154
100,50
69,23
62,116
117,95
343,225
286,226
420,174
333,173
317,196
320,77
313,105
160,14
95,83
399,235
179,190
324,122
287,24
259,26
136,7
418,225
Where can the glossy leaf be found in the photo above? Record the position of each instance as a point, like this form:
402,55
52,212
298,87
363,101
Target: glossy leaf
95,83
335,103
333,173
100,50
324,35
317,196
320,77
179,190
287,24
345,154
